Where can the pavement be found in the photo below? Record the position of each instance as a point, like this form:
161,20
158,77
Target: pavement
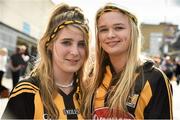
176,95
3,101
176,102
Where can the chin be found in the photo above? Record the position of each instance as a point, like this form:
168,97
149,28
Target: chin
111,52
72,69
114,52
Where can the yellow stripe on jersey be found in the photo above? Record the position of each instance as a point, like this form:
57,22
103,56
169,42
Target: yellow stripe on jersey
143,101
101,91
108,77
99,98
38,107
27,83
21,91
60,105
28,87
24,87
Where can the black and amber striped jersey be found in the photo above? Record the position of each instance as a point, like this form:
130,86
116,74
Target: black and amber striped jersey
25,102
152,97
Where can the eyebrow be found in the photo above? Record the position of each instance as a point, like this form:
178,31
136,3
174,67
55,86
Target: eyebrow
102,26
118,24
69,39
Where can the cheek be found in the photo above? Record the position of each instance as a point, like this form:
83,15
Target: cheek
127,40
58,51
100,37
82,52
127,35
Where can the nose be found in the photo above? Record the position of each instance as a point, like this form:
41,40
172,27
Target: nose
111,34
74,50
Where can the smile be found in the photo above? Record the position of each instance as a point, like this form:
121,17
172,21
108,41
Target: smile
112,43
72,61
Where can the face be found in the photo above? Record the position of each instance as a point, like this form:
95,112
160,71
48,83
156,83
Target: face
114,32
69,50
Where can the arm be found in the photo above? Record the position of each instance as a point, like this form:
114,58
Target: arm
20,104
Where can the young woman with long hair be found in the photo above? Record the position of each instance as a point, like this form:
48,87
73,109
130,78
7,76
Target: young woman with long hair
53,89
123,84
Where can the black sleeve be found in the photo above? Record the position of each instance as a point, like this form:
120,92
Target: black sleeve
20,107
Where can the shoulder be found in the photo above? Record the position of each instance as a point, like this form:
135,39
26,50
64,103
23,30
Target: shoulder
150,70
154,76
27,86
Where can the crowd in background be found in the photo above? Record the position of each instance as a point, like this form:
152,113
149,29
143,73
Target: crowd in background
170,66
15,64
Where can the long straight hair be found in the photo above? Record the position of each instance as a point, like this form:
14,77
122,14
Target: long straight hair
118,95
44,67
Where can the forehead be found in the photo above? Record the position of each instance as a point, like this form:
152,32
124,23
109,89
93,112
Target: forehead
112,17
71,31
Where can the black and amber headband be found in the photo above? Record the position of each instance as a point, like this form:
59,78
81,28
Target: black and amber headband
113,8
62,25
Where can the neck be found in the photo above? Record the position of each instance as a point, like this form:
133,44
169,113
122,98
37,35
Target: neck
65,85
118,62
62,77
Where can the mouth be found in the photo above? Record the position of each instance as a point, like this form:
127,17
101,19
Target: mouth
112,43
73,61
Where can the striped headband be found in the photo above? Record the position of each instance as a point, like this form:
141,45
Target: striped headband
62,25
112,8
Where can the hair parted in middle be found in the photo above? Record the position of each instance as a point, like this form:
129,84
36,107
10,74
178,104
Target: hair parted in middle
118,95
62,16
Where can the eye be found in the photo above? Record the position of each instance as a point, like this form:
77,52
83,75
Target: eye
82,44
118,28
66,43
103,29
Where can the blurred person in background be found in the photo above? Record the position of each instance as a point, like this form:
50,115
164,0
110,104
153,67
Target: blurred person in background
3,63
177,69
124,85
168,67
53,89
16,64
25,56
157,60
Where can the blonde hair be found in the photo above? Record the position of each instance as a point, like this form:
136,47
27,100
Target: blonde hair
118,95
44,69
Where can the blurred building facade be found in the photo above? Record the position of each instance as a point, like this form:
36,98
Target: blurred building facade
158,39
22,22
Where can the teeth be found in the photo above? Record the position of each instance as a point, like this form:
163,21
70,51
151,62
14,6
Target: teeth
73,60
